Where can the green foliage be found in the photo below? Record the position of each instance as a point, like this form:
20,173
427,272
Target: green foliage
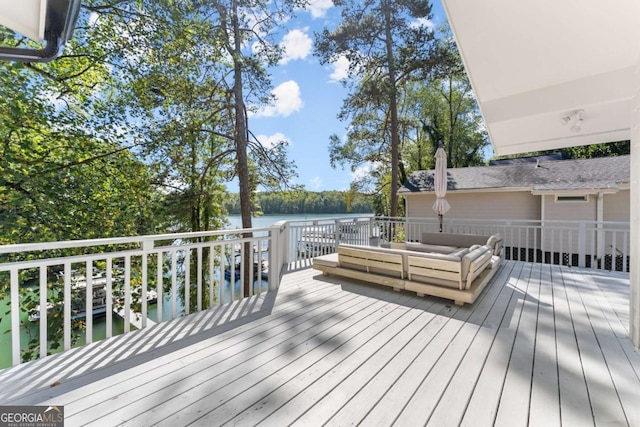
442,108
434,103
306,202
65,169
611,149
395,50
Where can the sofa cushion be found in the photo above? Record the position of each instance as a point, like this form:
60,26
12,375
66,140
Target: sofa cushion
453,239
495,261
470,257
495,243
425,247
460,252
434,255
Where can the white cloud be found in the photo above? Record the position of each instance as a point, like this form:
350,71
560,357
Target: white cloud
340,69
93,18
269,141
287,101
296,44
318,8
363,171
423,22
316,182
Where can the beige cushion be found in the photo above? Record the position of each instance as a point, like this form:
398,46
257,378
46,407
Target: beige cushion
453,239
470,257
460,252
433,255
495,261
495,243
423,247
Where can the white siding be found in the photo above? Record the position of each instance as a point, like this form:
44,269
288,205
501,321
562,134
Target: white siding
572,211
616,206
558,239
514,205
511,205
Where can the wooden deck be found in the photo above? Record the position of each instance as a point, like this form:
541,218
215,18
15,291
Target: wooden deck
542,346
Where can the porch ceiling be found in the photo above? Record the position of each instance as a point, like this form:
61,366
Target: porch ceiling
530,64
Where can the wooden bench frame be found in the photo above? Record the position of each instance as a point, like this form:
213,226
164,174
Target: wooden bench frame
370,261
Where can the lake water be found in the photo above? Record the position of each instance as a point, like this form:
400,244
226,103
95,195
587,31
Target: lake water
99,323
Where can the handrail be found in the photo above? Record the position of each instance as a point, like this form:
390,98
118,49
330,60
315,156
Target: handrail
71,281
194,271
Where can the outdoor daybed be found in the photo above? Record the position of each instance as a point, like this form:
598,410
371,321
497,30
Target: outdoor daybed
453,266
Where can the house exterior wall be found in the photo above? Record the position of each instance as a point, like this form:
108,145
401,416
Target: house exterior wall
555,237
515,205
522,205
616,206
511,205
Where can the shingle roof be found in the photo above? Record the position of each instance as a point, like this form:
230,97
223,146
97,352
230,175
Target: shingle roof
599,173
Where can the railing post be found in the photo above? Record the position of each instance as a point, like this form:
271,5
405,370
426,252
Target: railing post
147,246
285,238
452,225
582,244
276,253
15,316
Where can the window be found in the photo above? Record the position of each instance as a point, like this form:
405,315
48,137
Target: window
573,199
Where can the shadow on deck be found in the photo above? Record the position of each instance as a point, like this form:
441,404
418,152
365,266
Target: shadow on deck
543,345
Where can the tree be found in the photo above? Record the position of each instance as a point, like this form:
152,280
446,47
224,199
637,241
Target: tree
241,22
605,149
442,109
66,169
384,42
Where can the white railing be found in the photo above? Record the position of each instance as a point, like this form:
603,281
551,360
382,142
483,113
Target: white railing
67,283
591,244
305,239
597,245
56,288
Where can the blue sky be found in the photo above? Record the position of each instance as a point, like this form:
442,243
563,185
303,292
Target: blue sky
309,97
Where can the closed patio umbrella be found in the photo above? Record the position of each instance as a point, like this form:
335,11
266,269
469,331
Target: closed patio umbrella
441,206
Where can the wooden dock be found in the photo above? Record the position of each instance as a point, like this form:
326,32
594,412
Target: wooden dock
542,346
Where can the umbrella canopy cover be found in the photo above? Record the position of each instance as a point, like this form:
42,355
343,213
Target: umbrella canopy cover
441,206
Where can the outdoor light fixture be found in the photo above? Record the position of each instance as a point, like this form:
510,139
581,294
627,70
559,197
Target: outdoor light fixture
49,21
574,117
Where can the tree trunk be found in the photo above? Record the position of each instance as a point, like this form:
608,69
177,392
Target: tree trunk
241,140
393,109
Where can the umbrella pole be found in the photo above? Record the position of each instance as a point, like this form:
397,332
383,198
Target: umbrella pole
440,218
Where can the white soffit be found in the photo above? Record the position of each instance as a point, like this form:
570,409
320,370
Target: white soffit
531,63
26,17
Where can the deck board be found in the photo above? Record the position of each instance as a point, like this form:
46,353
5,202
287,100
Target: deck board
464,327
605,403
514,401
575,407
462,386
545,394
542,345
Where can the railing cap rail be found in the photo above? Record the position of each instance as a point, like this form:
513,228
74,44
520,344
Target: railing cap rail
42,246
